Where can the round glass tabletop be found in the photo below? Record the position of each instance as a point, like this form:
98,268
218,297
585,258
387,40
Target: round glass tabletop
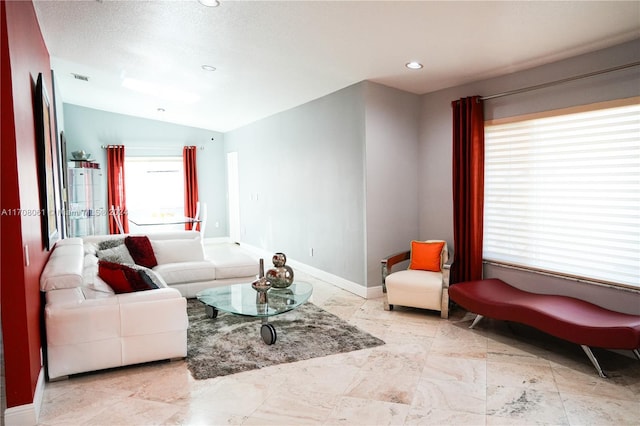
242,299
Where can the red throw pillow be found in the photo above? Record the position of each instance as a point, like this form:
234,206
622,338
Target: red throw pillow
141,250
114,277
122,278
426,256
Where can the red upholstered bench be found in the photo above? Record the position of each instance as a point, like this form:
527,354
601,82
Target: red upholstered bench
570,319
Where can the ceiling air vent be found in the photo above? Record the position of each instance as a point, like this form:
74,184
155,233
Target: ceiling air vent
80,77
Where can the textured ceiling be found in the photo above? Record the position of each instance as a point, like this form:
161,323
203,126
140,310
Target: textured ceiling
271,56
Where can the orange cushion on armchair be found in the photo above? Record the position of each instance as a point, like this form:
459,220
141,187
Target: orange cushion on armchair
426,256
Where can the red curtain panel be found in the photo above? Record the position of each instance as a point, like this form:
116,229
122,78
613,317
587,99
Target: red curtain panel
468,188
190,183
115,188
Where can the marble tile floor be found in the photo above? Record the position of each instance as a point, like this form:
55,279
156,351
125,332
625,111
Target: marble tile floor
430,372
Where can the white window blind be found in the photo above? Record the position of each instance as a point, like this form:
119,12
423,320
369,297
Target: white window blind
562,194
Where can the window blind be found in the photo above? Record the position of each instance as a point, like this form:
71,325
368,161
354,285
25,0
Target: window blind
562,194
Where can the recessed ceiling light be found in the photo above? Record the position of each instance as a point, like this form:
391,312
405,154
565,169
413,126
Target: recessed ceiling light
413,65
208,68
209,3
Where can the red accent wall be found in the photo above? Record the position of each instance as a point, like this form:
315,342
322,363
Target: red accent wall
23,55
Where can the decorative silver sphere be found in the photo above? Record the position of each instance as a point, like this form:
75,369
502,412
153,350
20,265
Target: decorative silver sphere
281,275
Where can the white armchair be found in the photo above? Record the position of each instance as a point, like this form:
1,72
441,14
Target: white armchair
418,288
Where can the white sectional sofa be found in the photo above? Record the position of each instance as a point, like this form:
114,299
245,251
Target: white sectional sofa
90,327
183,265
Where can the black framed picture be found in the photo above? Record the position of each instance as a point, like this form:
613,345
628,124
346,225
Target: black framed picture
46,172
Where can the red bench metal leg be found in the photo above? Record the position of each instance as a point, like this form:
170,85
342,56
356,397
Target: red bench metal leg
476,320
593,360
586,349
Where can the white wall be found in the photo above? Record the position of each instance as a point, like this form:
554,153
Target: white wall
436,209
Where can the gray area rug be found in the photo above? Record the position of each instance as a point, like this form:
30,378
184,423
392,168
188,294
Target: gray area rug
230,343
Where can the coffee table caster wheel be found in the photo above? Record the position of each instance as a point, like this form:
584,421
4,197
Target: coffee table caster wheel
268,333
211,311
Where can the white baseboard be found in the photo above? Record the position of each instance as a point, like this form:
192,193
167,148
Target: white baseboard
27,414
374,292
350,286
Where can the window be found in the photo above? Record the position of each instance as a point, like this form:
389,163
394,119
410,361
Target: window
562,192
155,191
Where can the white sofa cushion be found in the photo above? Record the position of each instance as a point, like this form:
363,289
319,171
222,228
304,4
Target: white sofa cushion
65,296
179,250
148,296
64,268
234,264
90,293
74,297
186,272
174,235
161,313
91,320
235,268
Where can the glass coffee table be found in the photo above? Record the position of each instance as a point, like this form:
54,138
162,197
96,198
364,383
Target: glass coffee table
242,299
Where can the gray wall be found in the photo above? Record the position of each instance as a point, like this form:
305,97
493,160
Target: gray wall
392,127
338,175
302,180
88,129
436,208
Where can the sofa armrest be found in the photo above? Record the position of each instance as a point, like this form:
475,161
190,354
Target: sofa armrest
63,269
388,263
